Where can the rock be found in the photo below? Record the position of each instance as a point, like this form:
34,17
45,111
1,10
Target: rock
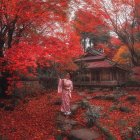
96,108
106,132
132,99
66,127
81,93
113,107
98,97
83,134
60,118
72,122
112,97
89,97
126,134
92,114
65,124
125,109
84,103
74,108
136,131
130,129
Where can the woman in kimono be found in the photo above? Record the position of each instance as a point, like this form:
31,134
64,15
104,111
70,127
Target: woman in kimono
65,87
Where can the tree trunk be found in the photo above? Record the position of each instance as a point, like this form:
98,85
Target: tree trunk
2,42
134,57
10,36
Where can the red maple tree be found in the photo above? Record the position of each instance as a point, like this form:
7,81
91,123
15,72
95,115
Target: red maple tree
29,36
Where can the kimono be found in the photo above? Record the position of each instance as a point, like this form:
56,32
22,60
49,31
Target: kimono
65,86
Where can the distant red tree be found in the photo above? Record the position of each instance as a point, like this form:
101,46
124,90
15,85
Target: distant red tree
89,25
123,18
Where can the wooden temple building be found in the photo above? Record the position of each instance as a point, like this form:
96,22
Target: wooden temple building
95,69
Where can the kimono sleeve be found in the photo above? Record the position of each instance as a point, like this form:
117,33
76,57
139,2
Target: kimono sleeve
71,87
60,86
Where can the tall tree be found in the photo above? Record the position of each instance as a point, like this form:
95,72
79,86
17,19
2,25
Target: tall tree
31,35
122,17
93,30
23,18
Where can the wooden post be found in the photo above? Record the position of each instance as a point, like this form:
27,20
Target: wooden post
90,72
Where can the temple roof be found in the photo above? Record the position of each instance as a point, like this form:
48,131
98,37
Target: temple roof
94,60
91,58
100,64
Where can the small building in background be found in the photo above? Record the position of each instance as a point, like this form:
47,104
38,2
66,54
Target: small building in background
95,69
136,74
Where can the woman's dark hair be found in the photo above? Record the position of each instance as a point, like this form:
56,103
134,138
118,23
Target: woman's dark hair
67,73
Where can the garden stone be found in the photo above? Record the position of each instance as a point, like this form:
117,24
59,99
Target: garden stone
106,132
126,134
132,99
72,122
136,131
81,93
60,118
113,107
74,108
89,97
98,97
66,127
83,134
65,124
111,97
84,103
92,114
96,108
125,109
